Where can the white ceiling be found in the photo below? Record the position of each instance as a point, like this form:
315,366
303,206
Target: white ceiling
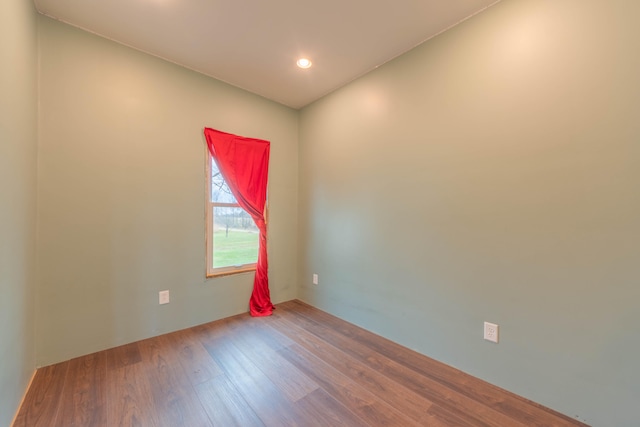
254,44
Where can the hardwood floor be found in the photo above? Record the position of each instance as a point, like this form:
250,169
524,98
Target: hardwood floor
299,367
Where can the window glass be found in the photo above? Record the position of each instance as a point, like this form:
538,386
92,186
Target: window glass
232,236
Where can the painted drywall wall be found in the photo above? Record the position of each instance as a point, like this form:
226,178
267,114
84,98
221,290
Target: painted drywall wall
491,174
18,140
122,194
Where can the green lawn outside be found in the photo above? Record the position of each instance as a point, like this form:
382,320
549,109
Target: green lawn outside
239,247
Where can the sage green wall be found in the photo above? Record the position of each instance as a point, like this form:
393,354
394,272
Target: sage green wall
493,173
122,194
18,140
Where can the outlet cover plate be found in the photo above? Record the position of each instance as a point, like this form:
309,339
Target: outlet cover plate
163,297
491,332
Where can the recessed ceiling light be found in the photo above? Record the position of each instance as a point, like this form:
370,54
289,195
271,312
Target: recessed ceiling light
303,63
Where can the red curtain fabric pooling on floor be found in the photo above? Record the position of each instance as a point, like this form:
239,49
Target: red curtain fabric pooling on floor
244,165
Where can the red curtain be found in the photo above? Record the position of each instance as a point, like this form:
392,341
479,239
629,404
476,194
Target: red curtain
244,165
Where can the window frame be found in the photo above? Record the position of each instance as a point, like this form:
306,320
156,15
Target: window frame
209,207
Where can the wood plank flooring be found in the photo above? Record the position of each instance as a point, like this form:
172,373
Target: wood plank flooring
299,367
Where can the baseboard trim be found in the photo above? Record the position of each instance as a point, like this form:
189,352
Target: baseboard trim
15,417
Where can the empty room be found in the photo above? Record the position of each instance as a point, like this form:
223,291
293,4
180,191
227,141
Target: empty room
361,213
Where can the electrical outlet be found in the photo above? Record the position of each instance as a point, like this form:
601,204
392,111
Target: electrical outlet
163,297
315,279
491,331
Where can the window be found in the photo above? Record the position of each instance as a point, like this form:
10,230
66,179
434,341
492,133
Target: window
232,236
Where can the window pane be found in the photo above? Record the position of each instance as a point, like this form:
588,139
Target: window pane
235,237
220,191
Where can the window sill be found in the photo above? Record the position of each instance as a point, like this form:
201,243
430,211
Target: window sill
228,271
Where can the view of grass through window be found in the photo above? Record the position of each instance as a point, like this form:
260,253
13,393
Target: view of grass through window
235,235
